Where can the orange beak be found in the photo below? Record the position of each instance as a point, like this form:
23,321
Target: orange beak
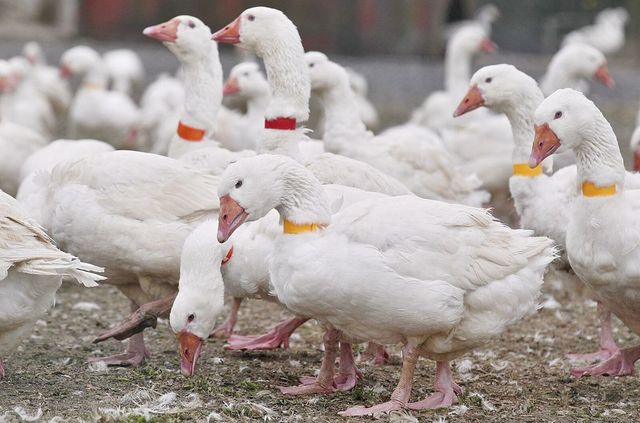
231,87
545,144
230,218
65,71
603,75
488,46
165,32
230,34
470,102
189,347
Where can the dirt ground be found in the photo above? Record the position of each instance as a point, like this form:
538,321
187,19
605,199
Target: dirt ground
520,377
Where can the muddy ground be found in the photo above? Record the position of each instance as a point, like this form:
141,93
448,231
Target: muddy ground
520,377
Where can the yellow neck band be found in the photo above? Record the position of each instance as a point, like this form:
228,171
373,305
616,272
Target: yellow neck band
293,228
590,190
523,169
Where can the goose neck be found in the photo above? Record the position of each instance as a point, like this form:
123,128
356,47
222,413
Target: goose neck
341,111
520,112
304,202
598,157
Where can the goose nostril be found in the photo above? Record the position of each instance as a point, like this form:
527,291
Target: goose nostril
224,217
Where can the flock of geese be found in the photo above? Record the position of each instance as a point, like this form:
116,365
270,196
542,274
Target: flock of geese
380,237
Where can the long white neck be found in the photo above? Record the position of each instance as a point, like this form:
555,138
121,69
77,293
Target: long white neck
598,157
342,119
304,200
288,76
96,76
202,75
257,106
457,68
520,111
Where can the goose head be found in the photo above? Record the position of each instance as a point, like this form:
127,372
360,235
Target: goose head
33,53
584,62
257,28
246,79
200,298
562,119
78,60
499,87
324,73
635,148
251,187
185,36
470,40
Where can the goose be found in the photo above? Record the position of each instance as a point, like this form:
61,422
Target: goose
272,36
190,40
602,232
420,161
366,110
23,102
31,271
505,89
129,212
485,16
241,131
606,34
363,274
125,70
240,268
96,112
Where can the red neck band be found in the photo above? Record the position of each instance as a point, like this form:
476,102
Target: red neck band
284,123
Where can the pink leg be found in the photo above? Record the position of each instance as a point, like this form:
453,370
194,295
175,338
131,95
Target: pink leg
134,355
400,395
375,353
276,337
2,372
621,363
348,374
608,346
324,382
446,390
226,328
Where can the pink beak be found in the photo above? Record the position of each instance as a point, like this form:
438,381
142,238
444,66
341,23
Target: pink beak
231,87
488,46
545,144
470,102
230,34
65,71
231,216
165,32
603,75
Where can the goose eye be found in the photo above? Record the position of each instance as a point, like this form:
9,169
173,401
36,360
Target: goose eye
558,115
251,18
311,65
238,184
191,24
191,317
246,74
488,80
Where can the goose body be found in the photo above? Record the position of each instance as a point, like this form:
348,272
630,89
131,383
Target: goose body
17,143
31,271
386,293
606,34
125,69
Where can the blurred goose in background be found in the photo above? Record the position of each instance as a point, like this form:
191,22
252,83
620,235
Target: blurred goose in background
603,231
31,271
606,34
235,130
190,40
421,162
366,110
273,37
161,105
97,112
362,272
125,70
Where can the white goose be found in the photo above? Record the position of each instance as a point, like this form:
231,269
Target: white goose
31,271
241,131
419,161
606,34
125,69
96,112
366,110
273,37
363,270
130,213
190,40
505,89
161,105
603,230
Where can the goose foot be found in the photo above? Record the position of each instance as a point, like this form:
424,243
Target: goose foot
446,390
135,354
347,376
307,389
278,336
142,318
608,347
225,330
620,364
375,353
